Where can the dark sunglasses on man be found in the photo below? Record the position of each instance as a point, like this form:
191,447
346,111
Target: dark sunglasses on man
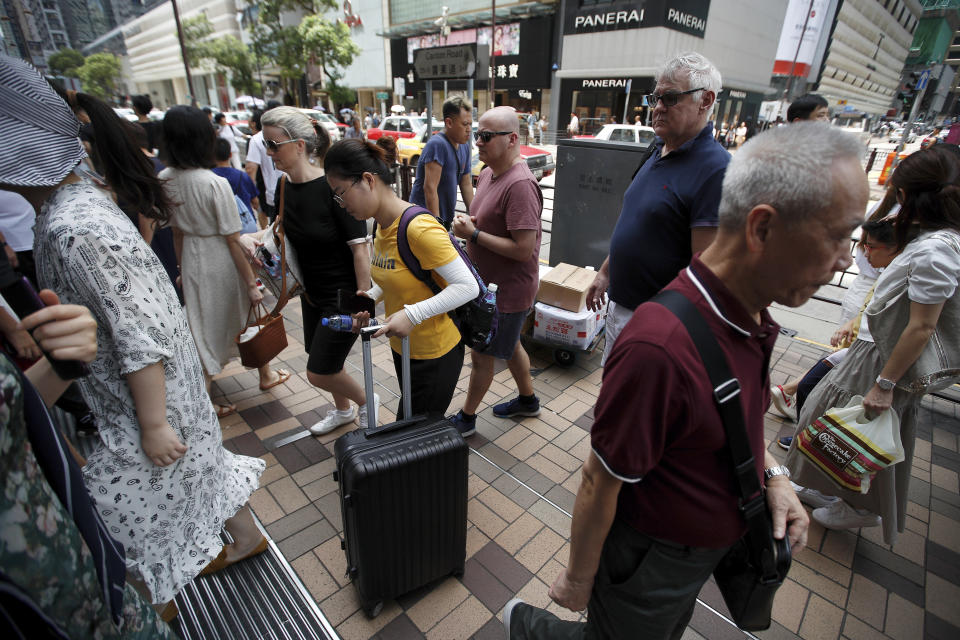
669,99
487,136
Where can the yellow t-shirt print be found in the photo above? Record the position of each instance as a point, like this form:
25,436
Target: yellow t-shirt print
431,244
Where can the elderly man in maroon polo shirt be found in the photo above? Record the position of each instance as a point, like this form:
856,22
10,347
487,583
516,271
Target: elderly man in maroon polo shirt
791,198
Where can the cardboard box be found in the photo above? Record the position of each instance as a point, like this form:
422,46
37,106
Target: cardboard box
565,287
575,329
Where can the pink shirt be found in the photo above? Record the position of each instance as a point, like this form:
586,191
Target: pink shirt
510,202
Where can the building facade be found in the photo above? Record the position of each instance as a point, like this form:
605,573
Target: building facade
611,51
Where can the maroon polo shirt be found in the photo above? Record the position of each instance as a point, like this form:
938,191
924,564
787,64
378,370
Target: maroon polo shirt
657,428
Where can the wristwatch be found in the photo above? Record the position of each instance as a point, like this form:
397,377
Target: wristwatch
885,384
773,472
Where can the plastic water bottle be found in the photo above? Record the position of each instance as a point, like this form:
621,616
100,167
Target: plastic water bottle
344,322
490,297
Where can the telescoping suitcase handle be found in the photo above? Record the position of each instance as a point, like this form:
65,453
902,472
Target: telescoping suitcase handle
365,334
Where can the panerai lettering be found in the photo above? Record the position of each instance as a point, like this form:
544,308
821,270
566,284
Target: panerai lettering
686,20
609,19
609,83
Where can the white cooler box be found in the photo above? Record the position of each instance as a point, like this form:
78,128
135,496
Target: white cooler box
575,329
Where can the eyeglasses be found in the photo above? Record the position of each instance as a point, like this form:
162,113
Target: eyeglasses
669,99
274,146
487,136
338,197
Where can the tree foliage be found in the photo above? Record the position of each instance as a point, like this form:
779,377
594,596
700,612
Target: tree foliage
225,54
65,62
315,40
99,75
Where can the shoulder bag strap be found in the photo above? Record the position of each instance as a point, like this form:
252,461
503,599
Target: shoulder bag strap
282,241
406,253
651,148
726,395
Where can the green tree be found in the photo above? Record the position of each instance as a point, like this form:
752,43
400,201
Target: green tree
226,54
65,62
99,74
315,40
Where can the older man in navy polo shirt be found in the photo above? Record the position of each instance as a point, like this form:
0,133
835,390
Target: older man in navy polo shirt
669,211
658,506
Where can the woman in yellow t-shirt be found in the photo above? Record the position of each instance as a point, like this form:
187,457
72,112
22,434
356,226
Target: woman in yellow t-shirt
360,174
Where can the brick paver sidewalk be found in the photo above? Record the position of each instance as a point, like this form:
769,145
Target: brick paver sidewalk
524,475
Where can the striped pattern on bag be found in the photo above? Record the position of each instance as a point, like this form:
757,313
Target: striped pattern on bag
841,451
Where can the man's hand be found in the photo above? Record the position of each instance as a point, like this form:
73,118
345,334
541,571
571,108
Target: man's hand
570,593
789,516
596,292
464,226
161,444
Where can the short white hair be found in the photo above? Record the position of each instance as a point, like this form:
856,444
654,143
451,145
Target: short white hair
789,168
694,69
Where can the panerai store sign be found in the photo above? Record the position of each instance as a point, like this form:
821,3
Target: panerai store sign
687,16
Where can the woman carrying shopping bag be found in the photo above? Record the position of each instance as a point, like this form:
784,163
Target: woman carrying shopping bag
331,254
914,317
218,283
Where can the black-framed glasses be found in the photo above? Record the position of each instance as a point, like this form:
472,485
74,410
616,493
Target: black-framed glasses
274,146
669,99
487,136
338,197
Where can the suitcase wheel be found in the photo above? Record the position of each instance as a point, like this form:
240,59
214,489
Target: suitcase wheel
374,610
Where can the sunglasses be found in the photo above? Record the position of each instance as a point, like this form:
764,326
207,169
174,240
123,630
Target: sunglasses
669,99
487,136
274,146
338,197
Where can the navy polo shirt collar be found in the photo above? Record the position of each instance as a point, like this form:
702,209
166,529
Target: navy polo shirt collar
705,134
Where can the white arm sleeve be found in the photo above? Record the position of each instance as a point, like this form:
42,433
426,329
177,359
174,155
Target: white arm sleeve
461,288
375,292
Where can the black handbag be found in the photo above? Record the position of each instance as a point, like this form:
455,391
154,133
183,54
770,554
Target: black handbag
757,564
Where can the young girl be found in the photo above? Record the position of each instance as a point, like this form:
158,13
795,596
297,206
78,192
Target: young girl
361,176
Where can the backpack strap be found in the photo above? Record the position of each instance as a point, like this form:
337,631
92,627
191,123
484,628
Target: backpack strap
406,254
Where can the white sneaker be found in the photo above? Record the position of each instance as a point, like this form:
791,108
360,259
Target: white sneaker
362,412
784,403
840,515
334,418
813,497
508,613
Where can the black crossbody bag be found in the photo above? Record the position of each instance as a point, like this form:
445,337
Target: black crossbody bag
756,565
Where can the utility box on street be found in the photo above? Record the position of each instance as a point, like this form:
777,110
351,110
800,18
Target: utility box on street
591,178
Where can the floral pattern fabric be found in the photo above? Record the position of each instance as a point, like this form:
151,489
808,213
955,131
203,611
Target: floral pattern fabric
41,550
167,518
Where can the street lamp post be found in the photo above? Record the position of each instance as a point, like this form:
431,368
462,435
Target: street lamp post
183,53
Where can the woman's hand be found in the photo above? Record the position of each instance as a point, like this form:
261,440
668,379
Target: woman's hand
844,335
249,244
397,325
254,293
23,344
65,331
876,402
360,320
161,444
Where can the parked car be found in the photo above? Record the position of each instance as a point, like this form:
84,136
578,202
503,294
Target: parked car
897,134
625,133
127,114
329,123
398,127
539,160
242,136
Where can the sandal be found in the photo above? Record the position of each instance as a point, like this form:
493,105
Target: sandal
282,376
224,410
220,562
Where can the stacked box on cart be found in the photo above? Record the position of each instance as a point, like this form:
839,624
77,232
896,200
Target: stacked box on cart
575,329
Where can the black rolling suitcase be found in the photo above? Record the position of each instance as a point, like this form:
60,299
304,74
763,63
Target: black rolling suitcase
403,499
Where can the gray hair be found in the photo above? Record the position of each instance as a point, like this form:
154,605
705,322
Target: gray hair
692,68
789,168
298,126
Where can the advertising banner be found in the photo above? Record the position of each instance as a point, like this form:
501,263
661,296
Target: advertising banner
798,47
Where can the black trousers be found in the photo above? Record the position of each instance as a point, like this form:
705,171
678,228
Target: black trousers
432,382
645,588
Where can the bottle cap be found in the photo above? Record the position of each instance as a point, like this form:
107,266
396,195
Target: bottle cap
325,322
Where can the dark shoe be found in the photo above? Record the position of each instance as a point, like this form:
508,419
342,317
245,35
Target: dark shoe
784,442
508,613
517,407
466,427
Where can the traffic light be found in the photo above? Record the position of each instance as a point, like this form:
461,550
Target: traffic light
908,92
